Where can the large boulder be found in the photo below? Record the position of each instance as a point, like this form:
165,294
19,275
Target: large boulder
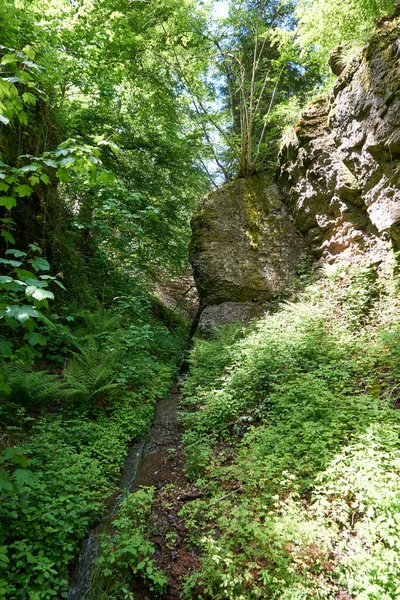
245,248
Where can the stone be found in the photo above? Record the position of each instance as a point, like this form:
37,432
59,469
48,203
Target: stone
337,59
245,247
347,187
228,312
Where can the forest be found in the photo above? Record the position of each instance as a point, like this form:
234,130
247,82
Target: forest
281,480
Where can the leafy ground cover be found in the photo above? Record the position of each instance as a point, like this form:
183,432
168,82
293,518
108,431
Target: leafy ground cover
65,437
292,426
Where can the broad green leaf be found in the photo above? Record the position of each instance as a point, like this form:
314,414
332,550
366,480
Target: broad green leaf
8,201
35,248
16,253
42,294
5,481
23,117
67,161
25,275
29,51
34,180
23,190
22,313
29,98
34,338
12,263
38,293
61,152
8,59
6,351
63,175
7,236
39,264
24,476
28,168
50,163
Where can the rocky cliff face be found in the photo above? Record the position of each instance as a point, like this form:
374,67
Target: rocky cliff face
340,171
244,249
337,190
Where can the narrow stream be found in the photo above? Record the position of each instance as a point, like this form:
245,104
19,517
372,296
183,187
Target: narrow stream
145,464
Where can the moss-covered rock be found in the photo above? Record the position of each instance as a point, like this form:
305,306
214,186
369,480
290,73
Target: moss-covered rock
244,247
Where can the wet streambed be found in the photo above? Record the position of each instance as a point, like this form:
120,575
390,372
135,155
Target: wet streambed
148,463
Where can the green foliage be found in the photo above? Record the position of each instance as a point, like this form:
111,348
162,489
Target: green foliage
103,400
90,374
73,464
128,554
298,435
323,24
28,388
24,297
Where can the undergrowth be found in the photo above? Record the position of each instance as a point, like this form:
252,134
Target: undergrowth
128,553
292,425
65,434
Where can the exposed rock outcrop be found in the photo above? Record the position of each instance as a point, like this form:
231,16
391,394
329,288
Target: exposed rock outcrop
244,249
338,183
340,171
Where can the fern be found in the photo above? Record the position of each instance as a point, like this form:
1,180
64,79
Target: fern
91,373
96,325
30,388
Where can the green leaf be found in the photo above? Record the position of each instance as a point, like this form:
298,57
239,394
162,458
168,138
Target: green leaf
8,59
35,248
7,236
67,161
39,264
23,190
8,201
13,263
45,178
5,351
38,293
26,275
16,253
63,175
28,168
34,338
5,481
34,180
50,163
23,118
24,477
21,313
29,98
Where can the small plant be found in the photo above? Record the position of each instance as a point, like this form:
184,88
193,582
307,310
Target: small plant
25,387
91,374
128,553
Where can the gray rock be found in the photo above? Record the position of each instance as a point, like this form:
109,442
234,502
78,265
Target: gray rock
340,171
244,247
228,312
